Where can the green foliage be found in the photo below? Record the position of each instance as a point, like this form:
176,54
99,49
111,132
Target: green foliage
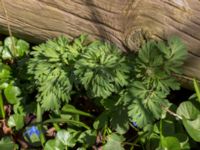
190,113
5,75
114,141
124,93
51,67
2,112
154,68
16,120
53,145
171,143
12,94
11,50
7,144
102,69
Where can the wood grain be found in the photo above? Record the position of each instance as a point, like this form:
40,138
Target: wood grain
128,23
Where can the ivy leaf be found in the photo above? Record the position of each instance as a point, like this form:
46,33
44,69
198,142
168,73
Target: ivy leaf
188,110
16,120
6,54
22,47
191,119
193,128
9,42
12,94
14,47
114,141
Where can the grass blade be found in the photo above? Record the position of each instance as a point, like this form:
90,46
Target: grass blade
61,120
2,112
197,89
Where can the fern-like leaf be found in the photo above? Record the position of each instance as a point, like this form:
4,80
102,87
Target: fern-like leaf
51,67
102,69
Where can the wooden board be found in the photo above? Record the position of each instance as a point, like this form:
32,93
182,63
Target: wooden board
128,23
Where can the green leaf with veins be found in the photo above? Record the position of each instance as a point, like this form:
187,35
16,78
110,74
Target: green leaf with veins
193,128
66,138
22,47
67,108
102,69
154,67
88,137
139,114
51,66
146,103
54,145
171,143
16,120
188,110
12,94
114,142
6,143
119,120
17,49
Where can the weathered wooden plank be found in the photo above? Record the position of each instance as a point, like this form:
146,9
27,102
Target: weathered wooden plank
128,23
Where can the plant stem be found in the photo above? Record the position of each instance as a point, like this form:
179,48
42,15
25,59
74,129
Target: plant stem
136,140
136,129
197,89
171,112
2,115
39,119
9,27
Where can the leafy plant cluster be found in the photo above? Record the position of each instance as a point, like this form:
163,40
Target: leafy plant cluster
78,94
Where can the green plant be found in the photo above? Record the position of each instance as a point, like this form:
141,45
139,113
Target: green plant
10,50
123,94
102,69
190,113
10,92
154,69
52,70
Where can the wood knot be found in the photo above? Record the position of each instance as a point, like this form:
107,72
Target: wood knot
137,37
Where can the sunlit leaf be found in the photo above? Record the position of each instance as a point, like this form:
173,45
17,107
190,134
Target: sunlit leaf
12,94
16,120
171,143
114,142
